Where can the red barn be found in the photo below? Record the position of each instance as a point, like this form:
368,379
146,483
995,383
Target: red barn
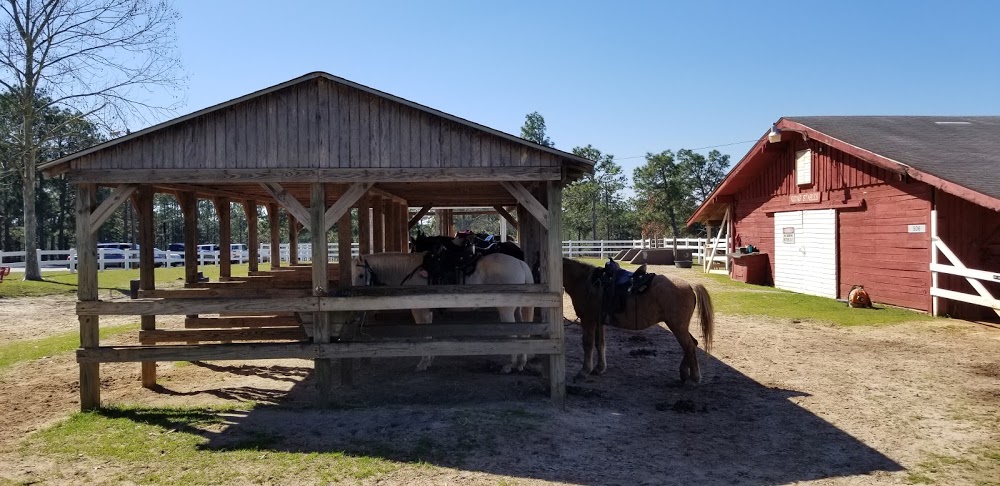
839,201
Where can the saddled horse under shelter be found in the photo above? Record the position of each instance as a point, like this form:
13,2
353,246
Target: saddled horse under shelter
399,269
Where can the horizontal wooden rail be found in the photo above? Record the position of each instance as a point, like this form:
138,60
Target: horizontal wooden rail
252,334
224,293
453,330
150,307
249,321
244,351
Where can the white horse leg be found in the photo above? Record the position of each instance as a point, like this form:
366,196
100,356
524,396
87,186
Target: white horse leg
423,316
516,361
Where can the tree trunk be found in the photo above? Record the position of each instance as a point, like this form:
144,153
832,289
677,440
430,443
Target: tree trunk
31,269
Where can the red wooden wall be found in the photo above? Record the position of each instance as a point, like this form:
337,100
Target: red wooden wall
874,247
972,232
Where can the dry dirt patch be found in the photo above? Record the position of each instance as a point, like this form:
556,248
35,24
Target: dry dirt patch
782,402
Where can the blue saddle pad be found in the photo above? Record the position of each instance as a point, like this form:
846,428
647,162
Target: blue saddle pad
622,278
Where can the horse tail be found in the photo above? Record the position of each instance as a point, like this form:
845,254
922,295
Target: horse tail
706,314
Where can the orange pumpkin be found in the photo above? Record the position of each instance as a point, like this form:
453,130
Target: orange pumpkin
859,297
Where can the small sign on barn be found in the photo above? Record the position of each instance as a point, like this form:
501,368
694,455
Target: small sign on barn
803,198
788,235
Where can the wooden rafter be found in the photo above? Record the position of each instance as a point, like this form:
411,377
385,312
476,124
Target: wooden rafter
109,205
417,217
345,203
292,205
503,213
524,197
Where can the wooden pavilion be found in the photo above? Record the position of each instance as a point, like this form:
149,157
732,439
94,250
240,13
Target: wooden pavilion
317,147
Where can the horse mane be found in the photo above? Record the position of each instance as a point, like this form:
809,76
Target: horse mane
392,268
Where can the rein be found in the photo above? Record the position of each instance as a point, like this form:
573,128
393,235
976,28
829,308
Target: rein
411,274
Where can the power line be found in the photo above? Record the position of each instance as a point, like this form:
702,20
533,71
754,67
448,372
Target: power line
696,148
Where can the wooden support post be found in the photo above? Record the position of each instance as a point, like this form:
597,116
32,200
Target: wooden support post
224,210
274,222
320,281
86,248
189,206
253,241
364,226
147,279
552,269
391,228
346,270
293,241
404,227
378,224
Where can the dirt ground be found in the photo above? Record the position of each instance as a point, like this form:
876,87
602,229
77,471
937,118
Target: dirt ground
781,402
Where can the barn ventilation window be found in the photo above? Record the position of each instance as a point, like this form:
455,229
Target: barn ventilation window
803,167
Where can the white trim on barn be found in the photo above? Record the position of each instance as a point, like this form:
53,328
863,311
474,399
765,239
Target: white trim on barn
805,252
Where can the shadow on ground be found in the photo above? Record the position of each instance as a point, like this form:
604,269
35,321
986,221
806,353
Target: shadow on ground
633,425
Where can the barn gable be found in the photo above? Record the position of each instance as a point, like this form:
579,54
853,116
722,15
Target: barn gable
314,123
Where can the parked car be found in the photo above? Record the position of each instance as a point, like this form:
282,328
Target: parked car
176,247
117,252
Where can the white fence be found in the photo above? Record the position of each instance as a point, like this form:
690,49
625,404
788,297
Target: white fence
609,248
114,258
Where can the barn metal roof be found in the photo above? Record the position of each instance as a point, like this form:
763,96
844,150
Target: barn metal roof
959,155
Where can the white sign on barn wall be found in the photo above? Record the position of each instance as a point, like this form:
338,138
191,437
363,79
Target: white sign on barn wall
916,228
788,235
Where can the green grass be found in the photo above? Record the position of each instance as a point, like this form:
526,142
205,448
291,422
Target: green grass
56,283
978,466
731,297
18,351
173,445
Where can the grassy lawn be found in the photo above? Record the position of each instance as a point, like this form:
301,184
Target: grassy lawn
56,283
174,445
731,297
18,351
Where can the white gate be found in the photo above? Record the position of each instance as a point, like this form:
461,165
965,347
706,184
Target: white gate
805,252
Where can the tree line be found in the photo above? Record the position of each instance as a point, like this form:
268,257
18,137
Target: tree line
667,189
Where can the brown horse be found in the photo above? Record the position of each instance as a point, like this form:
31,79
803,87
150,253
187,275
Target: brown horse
672,301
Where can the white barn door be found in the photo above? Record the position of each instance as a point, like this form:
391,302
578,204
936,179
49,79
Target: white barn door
805,252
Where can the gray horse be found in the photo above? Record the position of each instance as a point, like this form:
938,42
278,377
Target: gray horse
396,269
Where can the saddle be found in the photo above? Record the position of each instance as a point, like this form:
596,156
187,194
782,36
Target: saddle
616,285
449,265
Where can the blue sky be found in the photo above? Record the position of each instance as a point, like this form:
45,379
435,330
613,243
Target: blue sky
626,77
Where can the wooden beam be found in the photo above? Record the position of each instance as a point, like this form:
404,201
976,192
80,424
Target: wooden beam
86,246
452,330
253,240
314,304
529,202
147,281
189,207
224,211
322,330
378,224
109,205
552,267
293,241
242,321
207,192
240,351
505,215
274,223
417,217
287,175
344,204
364,225
201,335
291,205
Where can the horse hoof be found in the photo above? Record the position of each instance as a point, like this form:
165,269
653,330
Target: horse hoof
506,369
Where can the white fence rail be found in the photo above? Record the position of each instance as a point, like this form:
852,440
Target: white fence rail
609,248
113,258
